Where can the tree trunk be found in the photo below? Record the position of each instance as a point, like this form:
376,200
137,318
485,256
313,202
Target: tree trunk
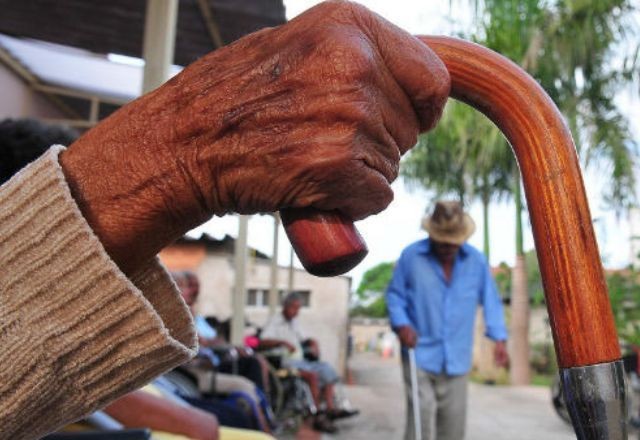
520,372
485,218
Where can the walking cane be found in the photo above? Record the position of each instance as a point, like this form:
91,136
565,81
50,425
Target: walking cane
576,294
415,397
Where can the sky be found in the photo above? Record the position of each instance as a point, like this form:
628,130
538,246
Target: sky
399,225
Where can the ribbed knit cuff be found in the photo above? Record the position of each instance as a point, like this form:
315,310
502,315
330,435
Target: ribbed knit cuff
75,332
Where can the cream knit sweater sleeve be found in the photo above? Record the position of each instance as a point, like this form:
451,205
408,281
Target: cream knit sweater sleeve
75,332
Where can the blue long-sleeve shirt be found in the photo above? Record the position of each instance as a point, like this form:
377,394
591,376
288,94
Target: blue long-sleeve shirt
443,313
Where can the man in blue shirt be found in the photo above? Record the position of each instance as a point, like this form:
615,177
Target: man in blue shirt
436,288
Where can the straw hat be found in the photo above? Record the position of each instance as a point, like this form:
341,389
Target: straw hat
449,223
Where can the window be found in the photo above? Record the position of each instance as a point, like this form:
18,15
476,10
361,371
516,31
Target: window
260,297
257,297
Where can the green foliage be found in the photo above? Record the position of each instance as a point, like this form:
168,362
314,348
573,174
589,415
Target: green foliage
543,359
503,279
570,48
465,157
371,302
624,293
375,280
376,309
534,279
542,380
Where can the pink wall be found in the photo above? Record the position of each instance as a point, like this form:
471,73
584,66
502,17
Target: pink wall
18,101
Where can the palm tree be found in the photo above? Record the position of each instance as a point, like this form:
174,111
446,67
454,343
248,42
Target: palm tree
466,157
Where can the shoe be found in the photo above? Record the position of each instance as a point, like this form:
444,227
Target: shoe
323,423
342,413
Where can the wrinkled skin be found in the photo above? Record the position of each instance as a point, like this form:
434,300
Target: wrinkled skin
316,112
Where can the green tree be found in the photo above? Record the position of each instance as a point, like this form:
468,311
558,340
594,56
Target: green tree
376,309
624,293
375,280
370,292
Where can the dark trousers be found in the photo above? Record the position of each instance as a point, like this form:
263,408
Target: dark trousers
227,414
246,366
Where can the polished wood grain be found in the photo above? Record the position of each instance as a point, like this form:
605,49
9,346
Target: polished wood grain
326,243
575,289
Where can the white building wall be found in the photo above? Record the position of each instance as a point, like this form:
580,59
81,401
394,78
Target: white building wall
17,100
326,318
216,275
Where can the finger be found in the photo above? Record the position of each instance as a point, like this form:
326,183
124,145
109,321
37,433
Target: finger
380,153
416,68
398,116
363,191
369,195
368,116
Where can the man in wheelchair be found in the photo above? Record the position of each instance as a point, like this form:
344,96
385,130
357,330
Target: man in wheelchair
236,371
281,334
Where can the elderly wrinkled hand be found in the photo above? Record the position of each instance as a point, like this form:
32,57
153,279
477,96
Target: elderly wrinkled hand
316,112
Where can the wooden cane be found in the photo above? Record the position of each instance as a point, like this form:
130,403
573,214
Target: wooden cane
580,314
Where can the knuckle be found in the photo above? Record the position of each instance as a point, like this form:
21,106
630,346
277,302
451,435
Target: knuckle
359,64
382,199
344,10
408,141
351,59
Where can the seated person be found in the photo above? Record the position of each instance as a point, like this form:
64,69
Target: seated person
282,331
249,369
148,408
249,365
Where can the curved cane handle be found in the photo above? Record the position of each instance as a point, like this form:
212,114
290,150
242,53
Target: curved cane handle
575,289
569,260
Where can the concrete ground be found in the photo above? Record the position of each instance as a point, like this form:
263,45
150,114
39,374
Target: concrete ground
495,412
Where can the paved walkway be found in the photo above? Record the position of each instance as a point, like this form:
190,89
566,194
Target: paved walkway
495,413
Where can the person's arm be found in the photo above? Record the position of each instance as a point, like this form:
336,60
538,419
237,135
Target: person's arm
494,317
75,331
140,409
207,334
267,343
270,337
328,101
397,305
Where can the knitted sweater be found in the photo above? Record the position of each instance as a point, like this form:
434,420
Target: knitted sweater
75,332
